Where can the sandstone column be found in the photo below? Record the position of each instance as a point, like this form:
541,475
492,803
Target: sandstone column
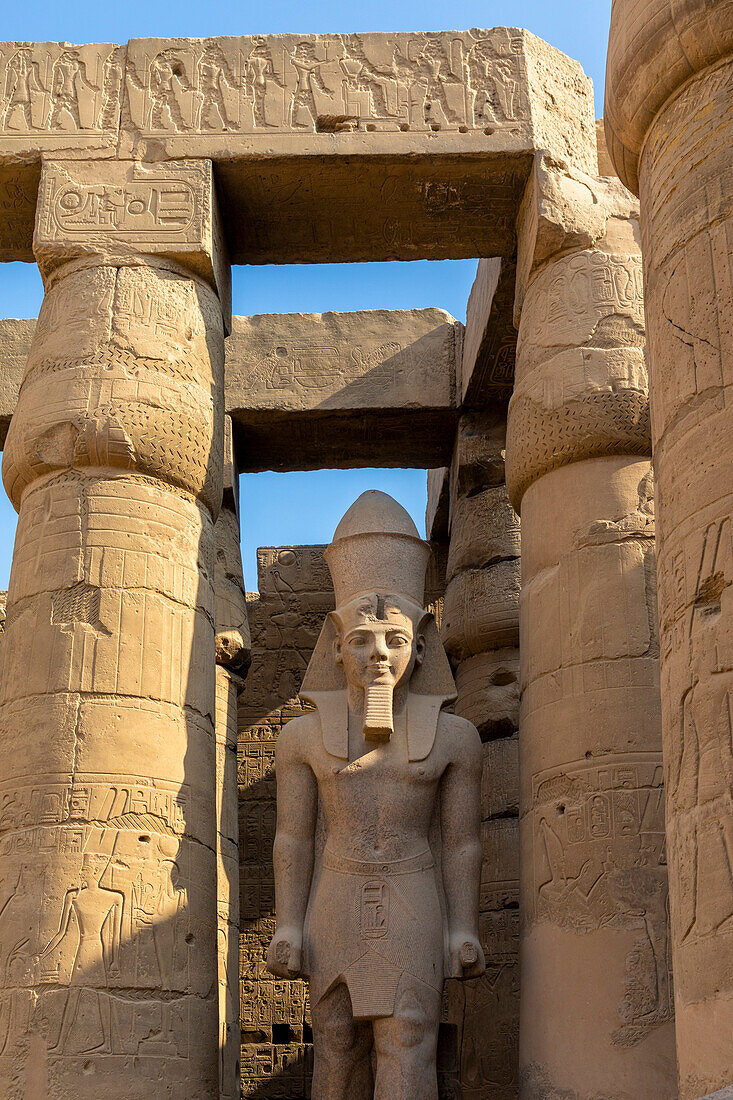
596,995
670,129
108,965
480,630
233,654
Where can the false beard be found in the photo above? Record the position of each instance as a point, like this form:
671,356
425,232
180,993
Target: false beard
378,720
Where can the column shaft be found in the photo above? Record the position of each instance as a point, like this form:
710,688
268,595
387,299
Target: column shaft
596,994
670,123
480,630
233,655
113,459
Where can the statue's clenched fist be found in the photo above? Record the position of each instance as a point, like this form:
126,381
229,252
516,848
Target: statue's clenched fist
284,955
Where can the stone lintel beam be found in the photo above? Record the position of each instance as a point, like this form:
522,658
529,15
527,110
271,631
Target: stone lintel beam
15,342
329,147
343,389
486,372
312,390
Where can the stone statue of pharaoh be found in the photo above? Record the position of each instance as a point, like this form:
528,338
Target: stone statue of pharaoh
385,908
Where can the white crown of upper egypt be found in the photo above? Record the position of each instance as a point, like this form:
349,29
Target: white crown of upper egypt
376,548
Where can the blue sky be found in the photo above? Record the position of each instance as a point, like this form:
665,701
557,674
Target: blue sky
303,507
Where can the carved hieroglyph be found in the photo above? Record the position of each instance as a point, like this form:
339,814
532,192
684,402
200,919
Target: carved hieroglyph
670,129
114,458
428,136
594,936
389,914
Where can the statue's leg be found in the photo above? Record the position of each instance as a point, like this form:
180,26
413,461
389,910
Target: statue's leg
406,1044
342,1067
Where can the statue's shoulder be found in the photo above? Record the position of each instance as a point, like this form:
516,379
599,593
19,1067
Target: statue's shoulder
457,736
298,736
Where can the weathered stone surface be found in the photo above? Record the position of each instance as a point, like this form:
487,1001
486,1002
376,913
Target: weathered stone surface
438,506
308,390
589,648
485,1011
581,382
564,210
107,701
500,777
670,128
227,881
233,655
332,389
481,610
478,456
605,164
655,46
484,530
486,370
591,771
15,342
488,692
440,127
233,641
60,99
123,209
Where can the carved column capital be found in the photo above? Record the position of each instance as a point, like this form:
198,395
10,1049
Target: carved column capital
655,46
581,386
123,213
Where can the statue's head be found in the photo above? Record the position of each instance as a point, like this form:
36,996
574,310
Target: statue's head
379,639
379,643
377,561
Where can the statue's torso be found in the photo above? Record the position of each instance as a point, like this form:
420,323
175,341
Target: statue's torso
376,911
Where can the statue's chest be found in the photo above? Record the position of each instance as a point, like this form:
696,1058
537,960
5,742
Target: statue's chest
381,773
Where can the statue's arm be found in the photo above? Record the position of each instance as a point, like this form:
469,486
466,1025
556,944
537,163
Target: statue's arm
297,808
460,812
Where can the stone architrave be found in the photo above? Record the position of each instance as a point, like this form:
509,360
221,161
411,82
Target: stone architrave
308,390
596,1004
669,123
485,543
326,147
393,906
114,460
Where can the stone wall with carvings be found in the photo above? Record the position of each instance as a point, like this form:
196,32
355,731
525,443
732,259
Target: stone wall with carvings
295,593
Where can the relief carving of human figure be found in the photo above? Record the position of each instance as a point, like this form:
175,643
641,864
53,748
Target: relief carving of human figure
388,908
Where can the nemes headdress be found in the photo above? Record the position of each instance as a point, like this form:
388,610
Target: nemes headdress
376,552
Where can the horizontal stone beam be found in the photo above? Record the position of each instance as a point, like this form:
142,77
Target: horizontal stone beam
325,148
15,342
307,391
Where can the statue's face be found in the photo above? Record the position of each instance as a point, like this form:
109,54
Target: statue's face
380,652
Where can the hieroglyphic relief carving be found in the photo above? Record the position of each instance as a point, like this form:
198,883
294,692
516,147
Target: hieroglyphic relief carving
110,949
701,756
58,89
409,82
600,862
